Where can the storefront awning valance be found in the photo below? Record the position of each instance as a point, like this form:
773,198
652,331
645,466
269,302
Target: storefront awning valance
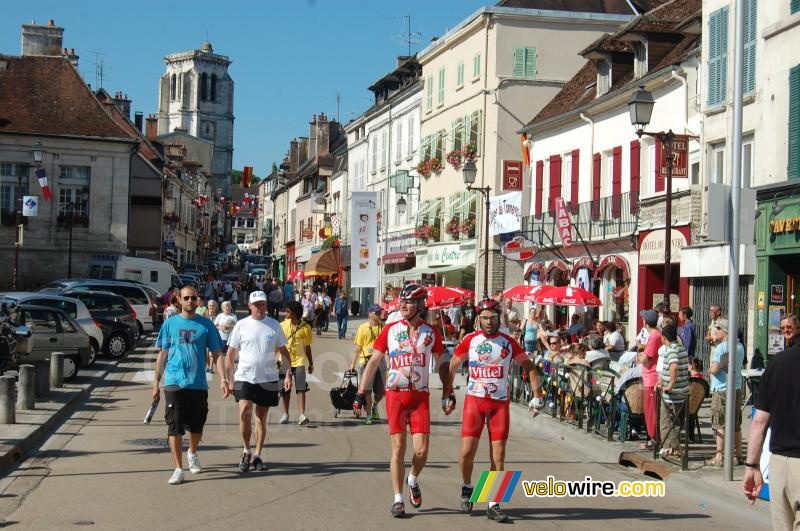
323,263
397,258
530,268
416,273
582,263
615,261
556,264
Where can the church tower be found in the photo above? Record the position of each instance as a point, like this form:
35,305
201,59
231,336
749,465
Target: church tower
196,97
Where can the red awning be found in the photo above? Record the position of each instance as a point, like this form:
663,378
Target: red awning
396,258
615,261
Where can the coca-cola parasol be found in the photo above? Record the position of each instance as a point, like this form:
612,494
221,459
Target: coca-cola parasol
566,296
522,293
441,297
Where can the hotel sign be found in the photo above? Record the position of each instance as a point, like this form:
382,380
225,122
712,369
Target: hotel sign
651,250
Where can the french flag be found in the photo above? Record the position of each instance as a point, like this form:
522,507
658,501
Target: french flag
41,175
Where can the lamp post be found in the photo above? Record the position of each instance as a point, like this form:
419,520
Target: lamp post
38,156
641,109
79,202
469,172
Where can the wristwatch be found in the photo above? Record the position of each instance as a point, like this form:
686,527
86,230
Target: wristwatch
755,466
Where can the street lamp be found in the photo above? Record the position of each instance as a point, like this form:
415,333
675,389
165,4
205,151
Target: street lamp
79,202
641,109
469,172
37,153
401,206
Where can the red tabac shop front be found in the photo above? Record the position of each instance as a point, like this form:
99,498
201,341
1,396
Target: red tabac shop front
651,269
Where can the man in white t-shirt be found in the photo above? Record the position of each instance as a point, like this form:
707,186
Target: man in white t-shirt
256,339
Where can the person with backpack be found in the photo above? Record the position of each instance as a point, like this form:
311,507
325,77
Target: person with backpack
298,340
340,310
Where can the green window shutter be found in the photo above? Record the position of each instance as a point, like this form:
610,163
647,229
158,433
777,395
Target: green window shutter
519,62
749,81
793,167
476,66
429,93
717,56
440,99
530,63
795,6
460,75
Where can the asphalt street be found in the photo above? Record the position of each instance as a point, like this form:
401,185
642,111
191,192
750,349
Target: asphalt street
103,467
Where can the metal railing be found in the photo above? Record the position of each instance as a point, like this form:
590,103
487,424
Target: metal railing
608,218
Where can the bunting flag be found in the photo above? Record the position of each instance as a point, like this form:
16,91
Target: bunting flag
247,176
41,175
525,146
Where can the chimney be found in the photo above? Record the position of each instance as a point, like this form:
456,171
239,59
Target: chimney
323,136
123,104
138,120
151,127
73,57
42,40
402,59
294,155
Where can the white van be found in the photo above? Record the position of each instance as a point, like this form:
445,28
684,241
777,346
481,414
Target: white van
158,275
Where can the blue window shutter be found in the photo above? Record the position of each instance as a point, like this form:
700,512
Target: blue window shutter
749,81
429,93
717,56
519,62
793,166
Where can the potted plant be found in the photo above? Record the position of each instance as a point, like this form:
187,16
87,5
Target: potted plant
469,153
468,227
424,168
435,165
453,228
423,233
455,158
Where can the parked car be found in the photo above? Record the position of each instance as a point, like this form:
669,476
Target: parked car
137,295
106,308
15,341
54,331
73,307
231,278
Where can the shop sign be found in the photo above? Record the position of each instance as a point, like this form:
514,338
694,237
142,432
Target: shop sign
446,255
519,249
563,223
680,158
651,250
512,175
779,226
401,242
308,233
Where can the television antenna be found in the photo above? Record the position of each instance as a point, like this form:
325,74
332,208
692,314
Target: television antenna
408,37
99,68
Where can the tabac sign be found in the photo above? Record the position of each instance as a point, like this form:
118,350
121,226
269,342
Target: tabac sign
563,223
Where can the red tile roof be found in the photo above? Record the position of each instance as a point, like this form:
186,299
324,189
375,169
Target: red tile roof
46,95
586,6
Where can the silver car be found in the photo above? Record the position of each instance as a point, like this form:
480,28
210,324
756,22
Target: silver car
73,307
53,331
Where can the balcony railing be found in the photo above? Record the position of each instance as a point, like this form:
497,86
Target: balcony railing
608,218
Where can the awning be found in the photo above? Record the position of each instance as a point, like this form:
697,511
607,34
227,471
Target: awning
397,258
417,272
323,263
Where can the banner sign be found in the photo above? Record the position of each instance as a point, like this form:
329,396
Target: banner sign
519,249
680,158
563,223
505,213
364,238
512,175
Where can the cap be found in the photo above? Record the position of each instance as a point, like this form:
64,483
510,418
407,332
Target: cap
258,296
651,316
722,324
374,308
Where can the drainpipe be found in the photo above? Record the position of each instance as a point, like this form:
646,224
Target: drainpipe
685,83
486,25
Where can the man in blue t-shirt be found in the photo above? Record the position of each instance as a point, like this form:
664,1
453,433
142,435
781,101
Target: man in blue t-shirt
718,371
183,342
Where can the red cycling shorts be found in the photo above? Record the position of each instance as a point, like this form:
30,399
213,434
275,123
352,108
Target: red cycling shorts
480,411
408,408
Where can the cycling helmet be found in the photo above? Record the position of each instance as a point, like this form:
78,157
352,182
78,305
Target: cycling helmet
413,292
488,304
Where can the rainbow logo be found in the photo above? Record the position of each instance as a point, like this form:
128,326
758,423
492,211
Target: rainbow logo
505,488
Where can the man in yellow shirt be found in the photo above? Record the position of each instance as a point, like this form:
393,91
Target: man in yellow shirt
365,337
298,342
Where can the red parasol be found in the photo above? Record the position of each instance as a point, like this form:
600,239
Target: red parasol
297,275
441,297
522,293
566,296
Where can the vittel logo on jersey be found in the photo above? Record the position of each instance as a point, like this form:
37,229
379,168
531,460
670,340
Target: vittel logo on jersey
492,371
407,360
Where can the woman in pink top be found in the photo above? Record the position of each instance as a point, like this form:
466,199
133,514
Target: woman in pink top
648,360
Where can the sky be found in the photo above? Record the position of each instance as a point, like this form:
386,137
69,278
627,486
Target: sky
290,58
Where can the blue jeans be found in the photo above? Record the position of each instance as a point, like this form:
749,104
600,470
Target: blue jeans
341,321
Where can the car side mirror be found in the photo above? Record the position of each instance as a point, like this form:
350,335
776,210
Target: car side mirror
23,331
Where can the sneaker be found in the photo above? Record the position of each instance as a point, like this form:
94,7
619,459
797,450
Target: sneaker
368,421
194,464
302,421
177,477
284,418
258,464
244,464
399,510
414,495
375,416
466,494
494,513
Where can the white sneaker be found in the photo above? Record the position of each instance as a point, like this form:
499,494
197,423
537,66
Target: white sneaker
284,418
194,463
303,420
176,477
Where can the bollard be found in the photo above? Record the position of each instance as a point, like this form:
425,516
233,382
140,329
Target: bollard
25,391
42,387
57,369
7,411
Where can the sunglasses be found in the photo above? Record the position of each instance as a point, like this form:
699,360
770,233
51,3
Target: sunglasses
190,298
555,343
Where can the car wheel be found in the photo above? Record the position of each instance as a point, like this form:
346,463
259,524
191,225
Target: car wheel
117,345
71,367
95,350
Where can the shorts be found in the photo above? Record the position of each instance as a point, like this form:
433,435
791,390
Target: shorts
261,394
185,408
718,410
379,379
300,385
480,411
530,345
408,408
